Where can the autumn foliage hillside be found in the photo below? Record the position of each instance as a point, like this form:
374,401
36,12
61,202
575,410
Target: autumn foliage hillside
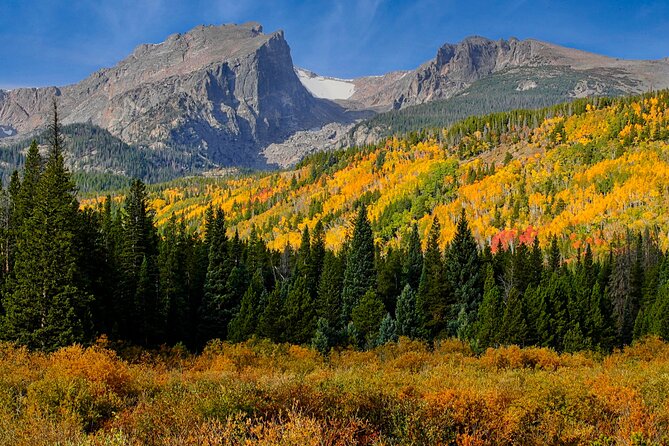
585,171
276,394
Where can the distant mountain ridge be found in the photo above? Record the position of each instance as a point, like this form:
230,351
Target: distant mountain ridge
458,66
230,95
221,92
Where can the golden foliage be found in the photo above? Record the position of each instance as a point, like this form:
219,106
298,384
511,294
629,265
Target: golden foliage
269,394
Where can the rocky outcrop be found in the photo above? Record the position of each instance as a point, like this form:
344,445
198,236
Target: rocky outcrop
457,66
223,92
230,96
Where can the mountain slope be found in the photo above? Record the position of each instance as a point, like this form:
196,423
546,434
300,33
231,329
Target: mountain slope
229,95
586,171
510,89
458,66
218,92
101,161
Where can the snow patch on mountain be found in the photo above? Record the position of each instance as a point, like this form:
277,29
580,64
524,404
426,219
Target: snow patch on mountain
5,131
325,87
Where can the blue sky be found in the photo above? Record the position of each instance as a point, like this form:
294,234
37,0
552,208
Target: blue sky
56,42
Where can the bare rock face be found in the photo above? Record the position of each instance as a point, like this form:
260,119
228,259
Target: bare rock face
229,95
458,66
223,92
287,153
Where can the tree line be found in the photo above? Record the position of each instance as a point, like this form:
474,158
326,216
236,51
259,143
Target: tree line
70,275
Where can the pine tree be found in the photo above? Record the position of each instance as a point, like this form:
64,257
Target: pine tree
245,322
574,340
390,278
407,315
601,329
360,272
366,317
141,313
463,271
554,256
554,321
235,287
324,338
518,275
48,307
303,263
24,194
490,313
660,313
535,305
299,313
413,261
432,300
536,264
624,288
515,327
317,257
173,281
387,330
270,324
213,319
13,223
328,303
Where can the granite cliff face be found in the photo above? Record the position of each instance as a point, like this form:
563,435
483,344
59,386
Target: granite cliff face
458,66
229,95
222,92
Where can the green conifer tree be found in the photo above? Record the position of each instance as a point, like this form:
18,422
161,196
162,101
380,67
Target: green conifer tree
432,300
245,322
328,303
299,313
515,327
490,313
48,307
360,271
366,317
463,271
213,319
387,330
413,261
407,315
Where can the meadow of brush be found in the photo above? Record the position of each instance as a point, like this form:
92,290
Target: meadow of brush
269,394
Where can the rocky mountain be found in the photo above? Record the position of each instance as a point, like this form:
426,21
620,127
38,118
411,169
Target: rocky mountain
220,96
221,93
457,67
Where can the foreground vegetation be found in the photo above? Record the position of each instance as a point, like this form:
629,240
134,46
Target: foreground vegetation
277,394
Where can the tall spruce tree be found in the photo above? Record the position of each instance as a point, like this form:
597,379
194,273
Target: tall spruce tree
387,330
317,257
432,300
245,323
515,328
213,319
48,307
407,316
659,320
413,261
142,315
299,313
173,280
390,277
490,313
463,271
366,317
270,324
328,302
360,272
